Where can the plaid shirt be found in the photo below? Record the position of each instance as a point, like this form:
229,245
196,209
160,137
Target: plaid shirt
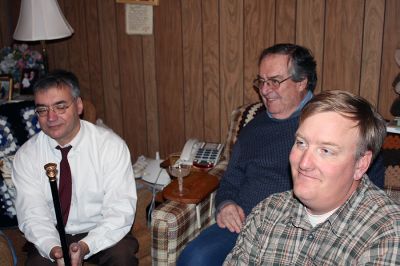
364,230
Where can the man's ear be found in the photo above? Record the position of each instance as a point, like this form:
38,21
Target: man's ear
79,105
362,165
302,85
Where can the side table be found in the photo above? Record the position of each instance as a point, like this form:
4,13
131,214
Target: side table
199,184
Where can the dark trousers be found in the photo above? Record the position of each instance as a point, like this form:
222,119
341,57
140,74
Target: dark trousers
121,254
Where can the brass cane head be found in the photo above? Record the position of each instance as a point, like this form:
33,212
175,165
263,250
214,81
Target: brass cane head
51,171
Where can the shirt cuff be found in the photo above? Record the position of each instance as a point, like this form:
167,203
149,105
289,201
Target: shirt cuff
47,247
90,242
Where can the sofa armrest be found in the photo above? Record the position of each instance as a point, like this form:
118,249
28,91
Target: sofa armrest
173,225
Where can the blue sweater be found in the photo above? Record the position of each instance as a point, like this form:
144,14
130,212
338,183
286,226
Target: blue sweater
259,164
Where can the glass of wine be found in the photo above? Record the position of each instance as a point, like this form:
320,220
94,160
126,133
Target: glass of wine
180,171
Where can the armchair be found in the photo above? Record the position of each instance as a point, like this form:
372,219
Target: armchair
174,224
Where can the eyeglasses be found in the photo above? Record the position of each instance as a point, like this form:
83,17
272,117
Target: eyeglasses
259,82
59,108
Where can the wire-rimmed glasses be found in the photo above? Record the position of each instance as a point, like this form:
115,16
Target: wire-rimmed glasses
259,82
59,108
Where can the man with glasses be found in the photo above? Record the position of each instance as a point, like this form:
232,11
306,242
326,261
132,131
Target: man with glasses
259,163
96,182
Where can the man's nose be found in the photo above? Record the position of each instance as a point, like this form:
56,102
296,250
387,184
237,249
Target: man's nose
306,160
264,88
51,114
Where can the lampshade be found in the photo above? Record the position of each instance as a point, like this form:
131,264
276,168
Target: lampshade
41,20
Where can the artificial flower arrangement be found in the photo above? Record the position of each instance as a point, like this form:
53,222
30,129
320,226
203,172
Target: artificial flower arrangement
16,59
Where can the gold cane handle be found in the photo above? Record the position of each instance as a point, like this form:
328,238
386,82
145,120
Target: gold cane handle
51,171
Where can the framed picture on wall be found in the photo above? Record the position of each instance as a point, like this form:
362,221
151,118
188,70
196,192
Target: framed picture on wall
6,87
139,2
28,78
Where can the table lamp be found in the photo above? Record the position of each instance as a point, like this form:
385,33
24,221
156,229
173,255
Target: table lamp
41,20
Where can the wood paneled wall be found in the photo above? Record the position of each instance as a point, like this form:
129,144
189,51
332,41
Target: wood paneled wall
183,81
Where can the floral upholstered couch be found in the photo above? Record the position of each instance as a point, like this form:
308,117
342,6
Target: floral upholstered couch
173,224
18,123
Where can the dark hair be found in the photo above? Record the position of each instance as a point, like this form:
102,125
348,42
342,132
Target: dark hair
302,62
58,78
371,125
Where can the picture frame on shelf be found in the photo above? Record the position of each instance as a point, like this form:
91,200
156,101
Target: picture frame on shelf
28,78
6,88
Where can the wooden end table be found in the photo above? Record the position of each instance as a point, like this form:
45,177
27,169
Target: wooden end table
200,185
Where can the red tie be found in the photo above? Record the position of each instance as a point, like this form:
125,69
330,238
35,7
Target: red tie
65,186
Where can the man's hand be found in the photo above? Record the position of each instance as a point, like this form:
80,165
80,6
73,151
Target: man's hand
57,255
77,252
231,216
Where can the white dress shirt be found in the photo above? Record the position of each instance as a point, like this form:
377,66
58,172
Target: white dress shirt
103,189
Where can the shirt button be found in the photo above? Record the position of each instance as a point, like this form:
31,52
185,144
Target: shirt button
310,237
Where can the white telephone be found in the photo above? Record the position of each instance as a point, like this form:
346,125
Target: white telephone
189,151
200,154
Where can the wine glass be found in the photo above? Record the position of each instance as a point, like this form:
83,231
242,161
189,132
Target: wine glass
180,171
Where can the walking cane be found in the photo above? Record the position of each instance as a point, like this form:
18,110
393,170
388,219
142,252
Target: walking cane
51,172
